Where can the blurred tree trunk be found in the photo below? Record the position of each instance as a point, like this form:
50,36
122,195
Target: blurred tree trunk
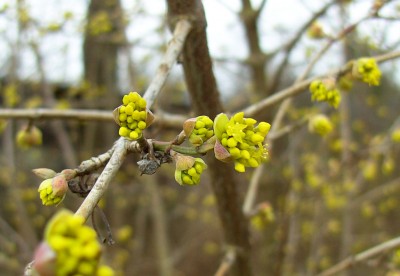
104,36
205,99
257,60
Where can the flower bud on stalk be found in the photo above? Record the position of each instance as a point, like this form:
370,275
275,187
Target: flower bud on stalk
188,169
241,140
29,137
198,129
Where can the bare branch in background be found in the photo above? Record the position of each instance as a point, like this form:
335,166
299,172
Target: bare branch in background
301,86
363,256
163,118
292,44
175,46
227,262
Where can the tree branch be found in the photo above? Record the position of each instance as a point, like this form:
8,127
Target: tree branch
291,45
182,29
101,185
298,88
163,118
369,253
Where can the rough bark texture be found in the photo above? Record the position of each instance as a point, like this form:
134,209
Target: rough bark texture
205,99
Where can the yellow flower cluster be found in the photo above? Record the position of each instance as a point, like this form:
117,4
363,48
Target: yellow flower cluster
75,246
320,124
264,216
3,124
325,91
99,24
242,139
316,31
396,135
29,137
367,70
188,170
132,116
199,129
52,190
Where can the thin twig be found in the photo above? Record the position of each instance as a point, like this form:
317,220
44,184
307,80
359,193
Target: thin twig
175,46
163,118
104,179
121,148
227,262
299,87
291,45
369,253
376,193
48,113
252,190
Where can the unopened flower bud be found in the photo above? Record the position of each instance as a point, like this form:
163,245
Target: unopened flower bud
367,70
263,217
188,169
68,174
183,162
132,116
198,129
188,126
52,191
396,135
320,124
29,137
325,91
44,260
316,31
44,173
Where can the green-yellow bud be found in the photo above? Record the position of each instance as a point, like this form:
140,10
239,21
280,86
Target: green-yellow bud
320,124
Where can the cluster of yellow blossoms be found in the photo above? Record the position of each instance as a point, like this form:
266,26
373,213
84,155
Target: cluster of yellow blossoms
241,140
29,137
320,124
198,129
73,245
367,70
395,136
188,169
52,191
325,91
263,217
363,69
237,139
132,116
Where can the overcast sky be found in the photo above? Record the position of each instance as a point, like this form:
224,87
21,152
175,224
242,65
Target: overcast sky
279,21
